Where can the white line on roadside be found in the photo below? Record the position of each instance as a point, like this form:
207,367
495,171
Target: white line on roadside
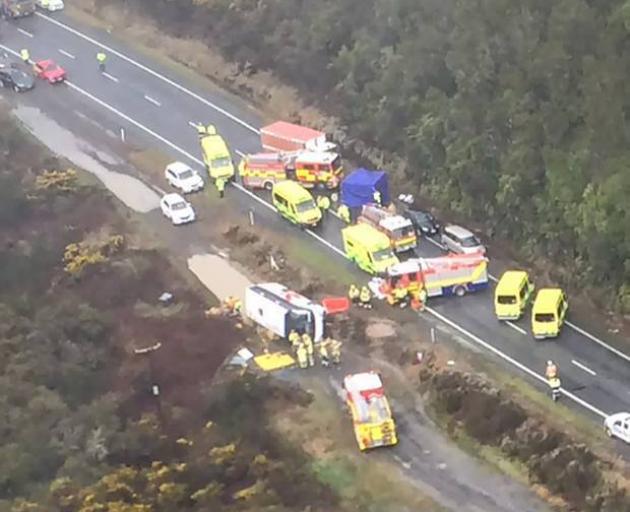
157,189
516,328
24,32
152,100
583,367
112,78
512,361
435,242
151,72
255,130
64,52
429,310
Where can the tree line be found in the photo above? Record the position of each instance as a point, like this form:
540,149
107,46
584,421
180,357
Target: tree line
511,114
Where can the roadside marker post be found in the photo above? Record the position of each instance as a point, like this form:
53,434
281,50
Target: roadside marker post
251,217
122,134
433,335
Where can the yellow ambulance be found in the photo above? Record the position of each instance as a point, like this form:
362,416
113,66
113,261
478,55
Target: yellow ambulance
513,293
548,313
216,155
295,203
369,248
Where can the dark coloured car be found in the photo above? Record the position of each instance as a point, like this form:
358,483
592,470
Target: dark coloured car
424,222
16,79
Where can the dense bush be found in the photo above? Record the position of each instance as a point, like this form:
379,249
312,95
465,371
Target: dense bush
512,113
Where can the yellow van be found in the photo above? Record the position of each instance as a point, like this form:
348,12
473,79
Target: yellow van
369,248
512,295
216,155
295,203
548,313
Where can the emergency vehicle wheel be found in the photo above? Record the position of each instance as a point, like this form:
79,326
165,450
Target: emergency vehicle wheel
609,432
268,185
460,291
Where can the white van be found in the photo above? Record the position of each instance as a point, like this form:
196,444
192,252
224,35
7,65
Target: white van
275,307
461,241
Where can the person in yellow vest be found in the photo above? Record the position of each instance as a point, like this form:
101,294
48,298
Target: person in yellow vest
335,351
101,57
353,294
202,131
365,298
307,341
400,295
324,352
323,203
419,300
25,55
220,183
294,339
302,356
344,213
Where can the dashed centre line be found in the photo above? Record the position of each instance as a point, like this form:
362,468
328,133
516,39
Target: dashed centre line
64,52
110,77
583,367
152,100
24,32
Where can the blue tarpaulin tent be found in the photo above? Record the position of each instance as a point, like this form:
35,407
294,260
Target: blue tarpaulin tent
359,186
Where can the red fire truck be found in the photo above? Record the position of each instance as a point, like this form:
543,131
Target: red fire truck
283,136
309,168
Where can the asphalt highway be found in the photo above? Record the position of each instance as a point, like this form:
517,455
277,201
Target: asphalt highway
144,98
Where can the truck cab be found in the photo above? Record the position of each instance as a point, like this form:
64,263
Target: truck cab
313,168
399,229
548,313
368,248
513,293
216,155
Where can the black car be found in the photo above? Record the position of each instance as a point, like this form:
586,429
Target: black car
16,79
424,222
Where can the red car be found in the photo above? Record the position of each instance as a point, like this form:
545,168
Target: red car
49,70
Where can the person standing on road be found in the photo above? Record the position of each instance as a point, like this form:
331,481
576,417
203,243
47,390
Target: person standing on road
323,203
365,298
25,55
220,183
324,355
101,58
302,356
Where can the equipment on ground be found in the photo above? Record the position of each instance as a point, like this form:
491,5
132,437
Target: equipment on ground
371,414
215,152
274,361
358,188
397,228
369,248
455,274
283,136
548,313
17,8
310,168
513,293
295,203
280,310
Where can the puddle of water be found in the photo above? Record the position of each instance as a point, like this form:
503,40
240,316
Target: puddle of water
218,276
131,191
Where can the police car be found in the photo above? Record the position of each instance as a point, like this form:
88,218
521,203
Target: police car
618,425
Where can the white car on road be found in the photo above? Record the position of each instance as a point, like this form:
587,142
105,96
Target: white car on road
618,425
51,5
182,177
177,209
461,241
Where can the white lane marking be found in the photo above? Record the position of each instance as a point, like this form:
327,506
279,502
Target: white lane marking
151,100
434,242
157,189
598,341
151,72
64,52
255,130
112,78
513,361
24,32
431,311
583,367
517,328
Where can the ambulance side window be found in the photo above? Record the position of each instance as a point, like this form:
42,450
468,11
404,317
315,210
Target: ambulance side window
524,289
560,307
281,200
308,167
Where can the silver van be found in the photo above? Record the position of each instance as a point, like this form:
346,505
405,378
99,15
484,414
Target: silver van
461,241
